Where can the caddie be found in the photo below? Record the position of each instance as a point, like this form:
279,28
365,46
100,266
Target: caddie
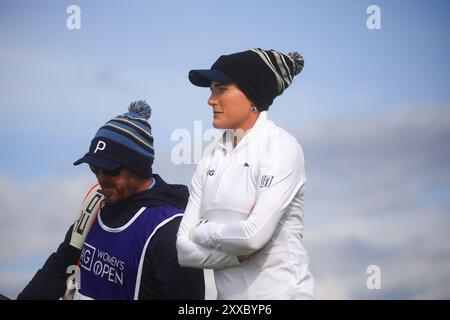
123,239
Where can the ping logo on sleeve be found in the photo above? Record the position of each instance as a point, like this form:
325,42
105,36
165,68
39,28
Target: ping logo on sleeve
266,181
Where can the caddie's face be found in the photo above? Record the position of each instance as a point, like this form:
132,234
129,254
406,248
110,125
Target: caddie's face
119,187
231,107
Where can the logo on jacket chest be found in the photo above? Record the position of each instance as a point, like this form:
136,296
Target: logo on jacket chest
265,181
102,264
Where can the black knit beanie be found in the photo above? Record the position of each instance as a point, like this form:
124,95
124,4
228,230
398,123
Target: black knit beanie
261,74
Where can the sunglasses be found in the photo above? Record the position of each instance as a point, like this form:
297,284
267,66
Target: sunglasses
110,173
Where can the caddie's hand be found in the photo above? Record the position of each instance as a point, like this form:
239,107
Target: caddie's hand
92,203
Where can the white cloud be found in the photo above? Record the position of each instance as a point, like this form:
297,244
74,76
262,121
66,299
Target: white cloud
34,219
373,197
36,215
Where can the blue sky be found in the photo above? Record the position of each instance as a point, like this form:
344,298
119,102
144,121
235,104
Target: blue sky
371,109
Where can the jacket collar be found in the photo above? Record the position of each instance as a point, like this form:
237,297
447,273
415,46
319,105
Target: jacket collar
226,140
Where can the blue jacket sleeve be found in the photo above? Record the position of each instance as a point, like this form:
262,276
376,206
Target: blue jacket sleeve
162,276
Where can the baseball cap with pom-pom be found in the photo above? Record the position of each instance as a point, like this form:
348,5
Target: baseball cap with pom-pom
124,141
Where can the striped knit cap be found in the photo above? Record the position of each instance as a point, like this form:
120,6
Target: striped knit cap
125,140
261,74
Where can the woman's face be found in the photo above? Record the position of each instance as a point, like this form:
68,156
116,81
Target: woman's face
231,107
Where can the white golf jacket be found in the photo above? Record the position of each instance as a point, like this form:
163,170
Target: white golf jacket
248,200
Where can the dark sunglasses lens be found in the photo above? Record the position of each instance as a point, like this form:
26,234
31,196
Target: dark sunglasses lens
94,169
111,173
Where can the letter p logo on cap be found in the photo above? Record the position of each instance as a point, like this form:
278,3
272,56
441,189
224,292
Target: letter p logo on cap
101,145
